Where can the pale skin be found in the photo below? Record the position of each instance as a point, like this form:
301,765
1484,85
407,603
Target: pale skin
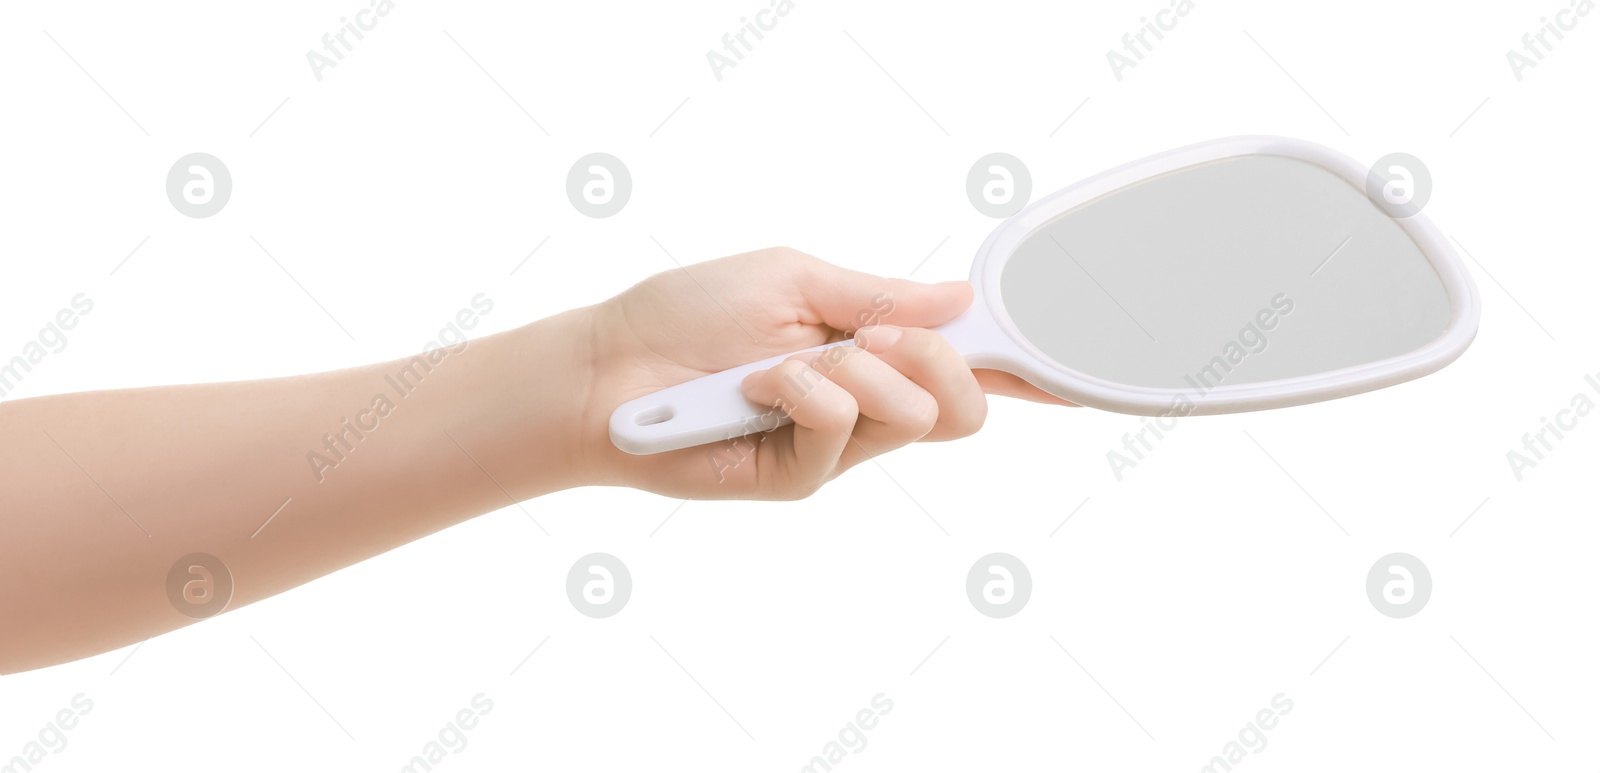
103,491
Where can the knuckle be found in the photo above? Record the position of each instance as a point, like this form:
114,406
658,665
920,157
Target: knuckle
789,367
967,422
797,489
924,417
793,378
838,416
811,487
922,344
789,492
789,255
817,402
843,359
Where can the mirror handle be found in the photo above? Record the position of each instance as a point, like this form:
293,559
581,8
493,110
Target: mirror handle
705,410
712,408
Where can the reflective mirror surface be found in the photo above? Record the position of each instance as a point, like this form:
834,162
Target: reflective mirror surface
1243,270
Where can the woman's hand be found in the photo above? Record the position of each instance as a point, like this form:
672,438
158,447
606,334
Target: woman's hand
899,384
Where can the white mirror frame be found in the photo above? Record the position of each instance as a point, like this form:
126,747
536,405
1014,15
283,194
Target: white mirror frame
1018,356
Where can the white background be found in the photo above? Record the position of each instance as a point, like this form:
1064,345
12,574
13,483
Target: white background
1188,594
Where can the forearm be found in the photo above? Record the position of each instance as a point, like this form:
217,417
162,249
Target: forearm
283,480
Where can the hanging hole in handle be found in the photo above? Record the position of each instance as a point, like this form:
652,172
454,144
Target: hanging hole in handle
654,415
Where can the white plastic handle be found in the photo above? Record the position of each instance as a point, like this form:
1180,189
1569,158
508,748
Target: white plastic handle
705,410
712,408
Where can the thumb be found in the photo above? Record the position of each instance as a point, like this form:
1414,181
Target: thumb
848,300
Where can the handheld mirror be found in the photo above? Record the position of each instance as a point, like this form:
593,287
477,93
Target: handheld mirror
1235,275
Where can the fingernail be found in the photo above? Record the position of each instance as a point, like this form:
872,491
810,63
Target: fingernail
744,385
878,338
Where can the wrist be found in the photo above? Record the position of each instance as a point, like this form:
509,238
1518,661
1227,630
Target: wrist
517,403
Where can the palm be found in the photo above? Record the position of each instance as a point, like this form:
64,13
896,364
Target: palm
681,325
